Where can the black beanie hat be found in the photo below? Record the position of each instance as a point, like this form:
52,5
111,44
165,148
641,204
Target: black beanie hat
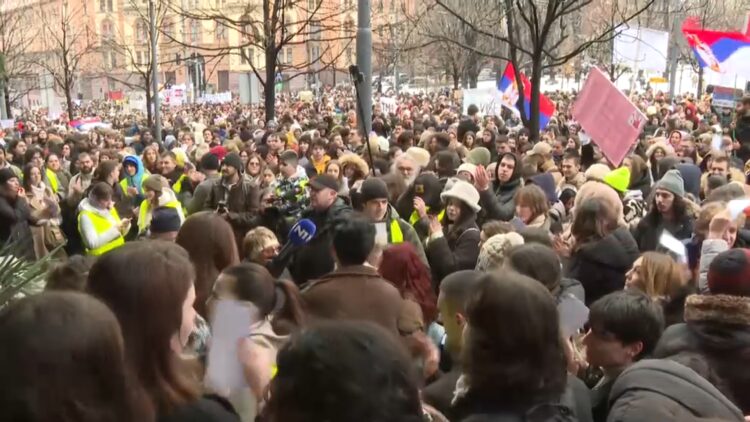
165,220
233,160
210,161
373,188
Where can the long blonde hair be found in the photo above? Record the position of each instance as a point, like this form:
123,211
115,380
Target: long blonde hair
659,275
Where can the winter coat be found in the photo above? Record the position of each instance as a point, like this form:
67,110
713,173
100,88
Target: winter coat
500,205
314,259
242,202
709,249
208,408
577,181
715,342
574,405
457,249
662,390
15,217
691,176
408,233
354,293
200,194
648,231
601,265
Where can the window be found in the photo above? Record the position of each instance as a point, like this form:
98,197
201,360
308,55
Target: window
315,29
221,31
106,30
349,26
167,27
140,58
105,6
311,5
349,55
141,34
113,60
289,55
248,56
195,31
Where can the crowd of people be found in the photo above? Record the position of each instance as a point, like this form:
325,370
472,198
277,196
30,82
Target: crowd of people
460,268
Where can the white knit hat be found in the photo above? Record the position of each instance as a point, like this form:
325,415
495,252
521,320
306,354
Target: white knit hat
467,167
464,192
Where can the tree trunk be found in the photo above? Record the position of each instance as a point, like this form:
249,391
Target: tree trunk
149,105
536,79
69,101
270,85
456,79
700,82
6,96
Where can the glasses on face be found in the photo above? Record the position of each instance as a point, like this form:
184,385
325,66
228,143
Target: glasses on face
253,163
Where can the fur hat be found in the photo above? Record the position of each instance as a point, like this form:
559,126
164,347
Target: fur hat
672,181
496,249
355,160
597,172
465,193
594,189
419,155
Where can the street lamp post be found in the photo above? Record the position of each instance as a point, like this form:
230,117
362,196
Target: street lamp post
155,72
364,62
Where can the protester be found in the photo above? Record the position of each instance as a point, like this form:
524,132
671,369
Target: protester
624,328
208,239
149,288
354,291
234,197
667,211
453,244
99,223
47,381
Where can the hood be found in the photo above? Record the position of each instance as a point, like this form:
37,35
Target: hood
678,383
668,150
618,250
666,164
85,205
691,176
547,183
358,162
167,196
516,169
137,178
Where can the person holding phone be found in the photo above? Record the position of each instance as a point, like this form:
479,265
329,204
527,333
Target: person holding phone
101,227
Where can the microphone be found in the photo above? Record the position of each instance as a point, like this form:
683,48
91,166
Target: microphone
302,233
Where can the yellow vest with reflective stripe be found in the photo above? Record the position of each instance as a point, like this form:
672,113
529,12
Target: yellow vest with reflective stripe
124,183
143,212
414,217
101,225
52,179
397,236
177,186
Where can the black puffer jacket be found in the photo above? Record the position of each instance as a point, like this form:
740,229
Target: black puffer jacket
314,259
600,266
458,249
662,390
648,230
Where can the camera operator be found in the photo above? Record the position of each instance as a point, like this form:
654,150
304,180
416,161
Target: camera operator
290,189
234,196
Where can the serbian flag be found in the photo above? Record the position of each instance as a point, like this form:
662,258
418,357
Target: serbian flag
508,87
721,52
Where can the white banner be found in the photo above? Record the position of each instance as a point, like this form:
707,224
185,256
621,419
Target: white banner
218,98
641,48
388,105
488,100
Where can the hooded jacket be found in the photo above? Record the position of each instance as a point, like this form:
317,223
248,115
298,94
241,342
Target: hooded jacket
691,176
601,265
662,390
92,239
500,205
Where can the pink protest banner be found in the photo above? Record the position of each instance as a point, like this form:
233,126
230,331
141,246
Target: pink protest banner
607,116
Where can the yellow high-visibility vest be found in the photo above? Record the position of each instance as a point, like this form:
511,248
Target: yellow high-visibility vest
397,236
52,179
414,217
101,225
143,212
177,186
